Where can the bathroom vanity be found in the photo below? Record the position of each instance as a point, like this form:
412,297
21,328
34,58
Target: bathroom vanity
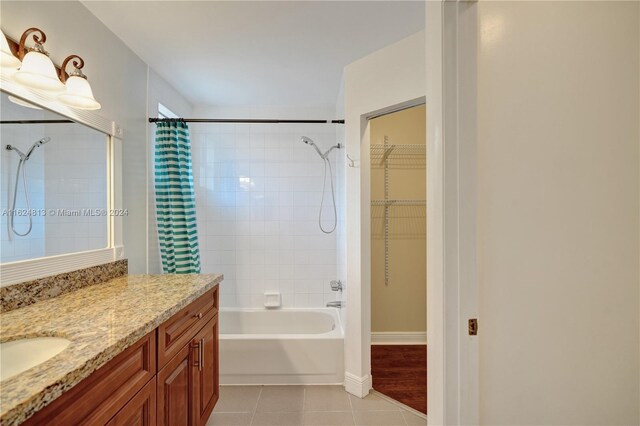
144,350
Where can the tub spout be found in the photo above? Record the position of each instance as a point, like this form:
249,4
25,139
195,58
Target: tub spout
336,304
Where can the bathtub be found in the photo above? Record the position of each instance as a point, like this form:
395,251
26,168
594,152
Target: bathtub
284,346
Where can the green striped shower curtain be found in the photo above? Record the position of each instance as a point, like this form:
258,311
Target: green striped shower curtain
175,199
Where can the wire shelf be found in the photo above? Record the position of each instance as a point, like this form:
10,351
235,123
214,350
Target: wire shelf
388,220
398,203
399,155
408,222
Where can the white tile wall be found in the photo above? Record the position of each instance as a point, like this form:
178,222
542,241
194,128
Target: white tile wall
258,191
75,169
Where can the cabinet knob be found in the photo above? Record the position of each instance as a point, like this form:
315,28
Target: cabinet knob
198,315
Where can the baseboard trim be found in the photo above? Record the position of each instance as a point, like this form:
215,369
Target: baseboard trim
358,386
399,338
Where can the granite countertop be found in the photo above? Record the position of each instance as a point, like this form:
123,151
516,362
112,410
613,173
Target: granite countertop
101,321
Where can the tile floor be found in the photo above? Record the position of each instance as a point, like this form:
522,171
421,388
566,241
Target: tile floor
305,405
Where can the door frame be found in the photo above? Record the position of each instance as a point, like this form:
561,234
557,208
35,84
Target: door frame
452,297
452,292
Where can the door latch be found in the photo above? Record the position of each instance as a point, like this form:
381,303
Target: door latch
473,327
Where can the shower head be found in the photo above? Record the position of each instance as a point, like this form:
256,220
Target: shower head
36,144
43,141
309,141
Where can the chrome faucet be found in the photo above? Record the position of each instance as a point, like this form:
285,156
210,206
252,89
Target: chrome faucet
336,304
336,285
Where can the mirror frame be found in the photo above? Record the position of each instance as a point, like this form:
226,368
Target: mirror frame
31,269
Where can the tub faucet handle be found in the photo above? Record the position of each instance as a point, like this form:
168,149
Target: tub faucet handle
336,285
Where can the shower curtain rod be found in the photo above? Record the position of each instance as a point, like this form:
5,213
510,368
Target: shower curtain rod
240,120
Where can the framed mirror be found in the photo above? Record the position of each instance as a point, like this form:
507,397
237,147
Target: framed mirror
54,190
57,181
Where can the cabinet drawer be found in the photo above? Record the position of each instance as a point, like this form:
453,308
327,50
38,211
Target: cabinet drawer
100,396
178,330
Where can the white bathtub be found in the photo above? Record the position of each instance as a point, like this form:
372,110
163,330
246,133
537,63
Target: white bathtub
285,346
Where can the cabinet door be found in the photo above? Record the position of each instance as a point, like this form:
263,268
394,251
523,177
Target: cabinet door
174,389
141,410
206,385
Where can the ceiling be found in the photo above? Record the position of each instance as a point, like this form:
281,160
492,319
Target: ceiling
263,53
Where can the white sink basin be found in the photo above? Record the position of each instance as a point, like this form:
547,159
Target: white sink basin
17,356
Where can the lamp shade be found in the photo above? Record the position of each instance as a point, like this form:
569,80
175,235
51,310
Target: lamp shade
7,60
78,94
38,72
20,102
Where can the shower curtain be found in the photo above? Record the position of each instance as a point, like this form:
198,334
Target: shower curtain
175,199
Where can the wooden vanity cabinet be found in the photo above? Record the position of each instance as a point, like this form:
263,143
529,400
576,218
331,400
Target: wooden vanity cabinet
205,386
188,385
175,387
140,410
99,397
169,377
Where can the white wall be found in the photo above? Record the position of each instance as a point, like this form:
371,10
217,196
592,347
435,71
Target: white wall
119,80
389,77
558,212
258,192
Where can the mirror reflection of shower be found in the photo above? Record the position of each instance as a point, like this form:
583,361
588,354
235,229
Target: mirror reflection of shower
327,161
22,167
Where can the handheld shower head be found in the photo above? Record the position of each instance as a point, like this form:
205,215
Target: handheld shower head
309,141
43,141
37,144
327,163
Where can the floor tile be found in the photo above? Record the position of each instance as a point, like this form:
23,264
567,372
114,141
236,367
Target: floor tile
277,419
230,419
412,419
237,399
326,398
281,399
379,418
326,418
372,403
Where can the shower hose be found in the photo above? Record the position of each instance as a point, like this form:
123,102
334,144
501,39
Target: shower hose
21,167
333,197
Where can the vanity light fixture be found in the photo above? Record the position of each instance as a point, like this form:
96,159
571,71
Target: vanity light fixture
78,93
7,60
37,71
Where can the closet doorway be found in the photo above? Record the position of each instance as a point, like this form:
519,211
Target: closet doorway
398,256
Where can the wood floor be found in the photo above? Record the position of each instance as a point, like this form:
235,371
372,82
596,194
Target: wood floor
400,372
